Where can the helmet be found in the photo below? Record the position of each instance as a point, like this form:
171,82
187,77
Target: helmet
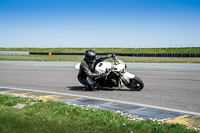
90,56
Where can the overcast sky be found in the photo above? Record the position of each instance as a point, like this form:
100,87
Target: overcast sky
99,23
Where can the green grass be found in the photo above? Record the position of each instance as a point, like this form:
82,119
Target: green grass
54,117
102,50
70,58
108,50
78,58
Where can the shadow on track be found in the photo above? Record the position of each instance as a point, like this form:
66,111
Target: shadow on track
83,88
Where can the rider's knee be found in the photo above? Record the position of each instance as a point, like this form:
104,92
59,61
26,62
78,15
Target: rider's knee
91,87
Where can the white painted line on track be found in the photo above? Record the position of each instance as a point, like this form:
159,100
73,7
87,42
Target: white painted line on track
110,100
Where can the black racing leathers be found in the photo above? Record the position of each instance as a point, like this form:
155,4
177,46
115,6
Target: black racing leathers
86,72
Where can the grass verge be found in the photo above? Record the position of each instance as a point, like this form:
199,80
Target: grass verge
184,50
54,116
78,58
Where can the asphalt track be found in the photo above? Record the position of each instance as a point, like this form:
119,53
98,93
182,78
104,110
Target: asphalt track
174,86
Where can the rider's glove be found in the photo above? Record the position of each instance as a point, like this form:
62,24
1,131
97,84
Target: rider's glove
112,55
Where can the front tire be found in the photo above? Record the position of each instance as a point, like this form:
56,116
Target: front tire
136,84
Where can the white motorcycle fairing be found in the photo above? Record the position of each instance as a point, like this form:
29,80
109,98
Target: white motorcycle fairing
101,67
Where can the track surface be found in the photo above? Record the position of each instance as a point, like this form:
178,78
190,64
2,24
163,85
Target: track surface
174,86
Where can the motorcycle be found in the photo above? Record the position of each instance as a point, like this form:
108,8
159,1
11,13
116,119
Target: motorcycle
116,75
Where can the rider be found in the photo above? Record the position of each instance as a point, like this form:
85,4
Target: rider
86,72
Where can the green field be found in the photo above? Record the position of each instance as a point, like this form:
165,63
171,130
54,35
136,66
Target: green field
77,58
109,50
26,115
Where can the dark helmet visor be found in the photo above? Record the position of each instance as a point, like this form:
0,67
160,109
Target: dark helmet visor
92,58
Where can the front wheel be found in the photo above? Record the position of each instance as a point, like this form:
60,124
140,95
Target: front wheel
135,84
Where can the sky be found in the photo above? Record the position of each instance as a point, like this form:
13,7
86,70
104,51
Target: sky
100,23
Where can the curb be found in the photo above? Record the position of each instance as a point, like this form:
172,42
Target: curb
141,112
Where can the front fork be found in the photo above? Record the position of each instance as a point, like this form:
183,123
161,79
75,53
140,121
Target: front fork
123,80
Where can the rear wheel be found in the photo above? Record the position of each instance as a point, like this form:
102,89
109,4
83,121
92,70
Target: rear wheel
135,84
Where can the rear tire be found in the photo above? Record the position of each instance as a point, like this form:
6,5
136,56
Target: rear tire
136,84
